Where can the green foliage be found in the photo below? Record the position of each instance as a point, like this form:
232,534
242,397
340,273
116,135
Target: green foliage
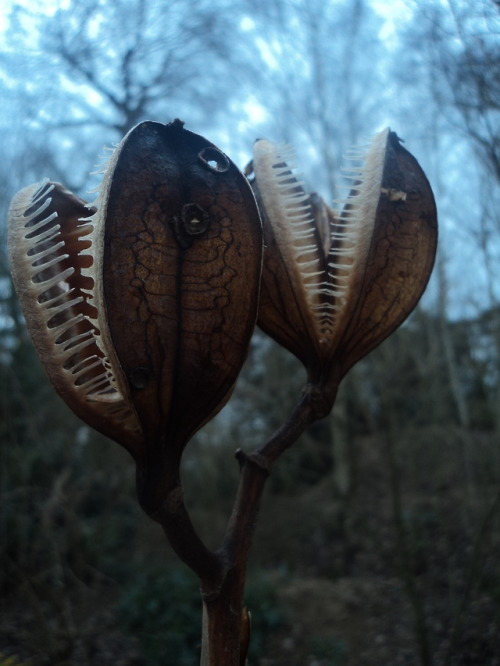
163,609
268,614
11,661
330,650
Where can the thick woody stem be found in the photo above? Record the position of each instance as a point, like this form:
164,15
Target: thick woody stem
225,636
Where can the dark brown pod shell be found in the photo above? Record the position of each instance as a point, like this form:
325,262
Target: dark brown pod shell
181,262
142,308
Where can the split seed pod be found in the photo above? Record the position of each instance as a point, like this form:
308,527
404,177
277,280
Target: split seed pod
334,286
142,309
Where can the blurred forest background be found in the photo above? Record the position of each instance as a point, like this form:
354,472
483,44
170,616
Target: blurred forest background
379,537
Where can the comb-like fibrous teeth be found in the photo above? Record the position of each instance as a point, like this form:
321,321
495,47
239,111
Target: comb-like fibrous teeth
352,234
323,271
360,207
288,210
50,245
324,252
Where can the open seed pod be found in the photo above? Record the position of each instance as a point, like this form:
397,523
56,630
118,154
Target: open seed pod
49,246
336,285
142,308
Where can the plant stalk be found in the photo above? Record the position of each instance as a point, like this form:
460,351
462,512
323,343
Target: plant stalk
226,626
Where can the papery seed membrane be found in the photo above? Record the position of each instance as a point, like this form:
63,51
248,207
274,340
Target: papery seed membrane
62,304
59,302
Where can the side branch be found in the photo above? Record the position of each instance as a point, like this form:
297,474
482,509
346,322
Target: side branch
306,411
255,467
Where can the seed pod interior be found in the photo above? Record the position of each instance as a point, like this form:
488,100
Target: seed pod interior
334,285
50,241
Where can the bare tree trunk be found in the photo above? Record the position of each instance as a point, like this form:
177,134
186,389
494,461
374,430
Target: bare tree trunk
456,389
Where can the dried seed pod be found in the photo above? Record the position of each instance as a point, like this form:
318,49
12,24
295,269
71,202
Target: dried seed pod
143,312
335,285
50,249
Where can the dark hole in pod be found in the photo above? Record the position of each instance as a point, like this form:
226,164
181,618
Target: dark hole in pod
193,222
195,219
214,159
139,377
